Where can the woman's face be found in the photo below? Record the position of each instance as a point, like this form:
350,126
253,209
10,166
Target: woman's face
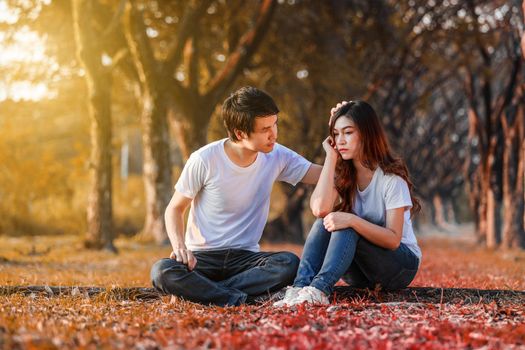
347,138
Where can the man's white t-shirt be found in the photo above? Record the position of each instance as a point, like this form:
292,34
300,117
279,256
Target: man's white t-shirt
385,192
231,203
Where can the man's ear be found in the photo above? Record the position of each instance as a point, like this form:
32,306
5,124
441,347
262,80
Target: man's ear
240,134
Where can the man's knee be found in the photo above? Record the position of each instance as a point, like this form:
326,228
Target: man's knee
164,266
288,263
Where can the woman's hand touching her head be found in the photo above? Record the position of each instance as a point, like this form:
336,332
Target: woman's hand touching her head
329,148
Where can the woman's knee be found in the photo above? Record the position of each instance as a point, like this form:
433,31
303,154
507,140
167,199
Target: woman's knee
350,232
318,231
318,225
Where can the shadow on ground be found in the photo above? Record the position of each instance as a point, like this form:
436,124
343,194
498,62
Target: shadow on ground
341,293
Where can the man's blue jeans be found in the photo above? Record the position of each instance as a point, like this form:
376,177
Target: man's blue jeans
328,256
225,277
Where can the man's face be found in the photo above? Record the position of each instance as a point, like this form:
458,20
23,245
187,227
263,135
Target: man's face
263,136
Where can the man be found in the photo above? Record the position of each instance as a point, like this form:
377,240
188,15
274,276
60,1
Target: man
228,184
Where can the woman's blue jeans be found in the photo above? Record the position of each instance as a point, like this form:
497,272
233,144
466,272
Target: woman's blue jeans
329,256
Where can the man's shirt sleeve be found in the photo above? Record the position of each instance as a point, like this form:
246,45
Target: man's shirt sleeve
193,177
293,166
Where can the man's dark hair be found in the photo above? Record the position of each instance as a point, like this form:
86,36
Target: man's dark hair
243,106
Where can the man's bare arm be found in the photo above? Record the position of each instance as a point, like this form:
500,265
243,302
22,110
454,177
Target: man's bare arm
174,219
312,175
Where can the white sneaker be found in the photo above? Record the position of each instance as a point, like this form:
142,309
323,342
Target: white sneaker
291,293
310,295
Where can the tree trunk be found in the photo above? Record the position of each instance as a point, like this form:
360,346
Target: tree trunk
99,210
512,233
451,211
155,133
438,212
100,232
157,167
482,212
513,163
491,233
522,143
522,182
474,200
191,133
509,210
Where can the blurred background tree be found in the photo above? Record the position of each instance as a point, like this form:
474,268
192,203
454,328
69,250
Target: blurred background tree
446,78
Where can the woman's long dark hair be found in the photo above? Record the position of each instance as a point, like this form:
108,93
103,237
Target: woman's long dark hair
374,152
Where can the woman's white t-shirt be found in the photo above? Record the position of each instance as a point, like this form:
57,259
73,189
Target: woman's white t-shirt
385,192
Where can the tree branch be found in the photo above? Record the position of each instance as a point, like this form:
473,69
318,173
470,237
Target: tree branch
244,51
189,21
147,66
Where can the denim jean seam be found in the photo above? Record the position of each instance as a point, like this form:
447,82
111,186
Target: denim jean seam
346,250
322,286
313,275
241,298
266,275
301,282
225,261
324,231
164,282
345,254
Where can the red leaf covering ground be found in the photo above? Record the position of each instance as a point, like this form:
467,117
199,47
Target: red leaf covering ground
366,320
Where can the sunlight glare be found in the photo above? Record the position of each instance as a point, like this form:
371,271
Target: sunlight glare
25,91
25,48
7,14
28,47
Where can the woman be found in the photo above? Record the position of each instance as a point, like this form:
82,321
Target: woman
364,201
